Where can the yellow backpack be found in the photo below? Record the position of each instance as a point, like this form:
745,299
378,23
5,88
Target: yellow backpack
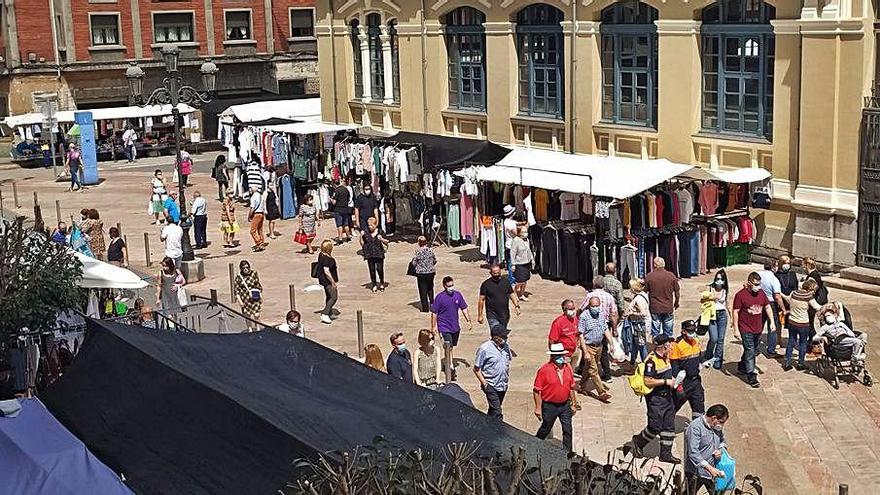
637,381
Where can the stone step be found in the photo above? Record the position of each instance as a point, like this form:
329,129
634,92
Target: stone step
861,274
838,282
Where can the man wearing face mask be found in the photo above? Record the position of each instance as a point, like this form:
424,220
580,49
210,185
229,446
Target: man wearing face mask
685,357
444,318
750,307
492,368
593,327
555,395
292,324
704,439
788,281
564,331
496,294
365,207
661,409
399,363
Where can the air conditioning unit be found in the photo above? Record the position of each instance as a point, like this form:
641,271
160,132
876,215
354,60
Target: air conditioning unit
32,58
42,60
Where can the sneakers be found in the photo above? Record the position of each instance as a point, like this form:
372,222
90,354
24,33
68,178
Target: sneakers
607,379
326,319
709,362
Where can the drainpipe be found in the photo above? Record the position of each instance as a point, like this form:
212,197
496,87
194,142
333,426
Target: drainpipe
54,34
333,57
424,72
572,87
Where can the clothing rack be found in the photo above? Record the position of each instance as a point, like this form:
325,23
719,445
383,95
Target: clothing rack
722,216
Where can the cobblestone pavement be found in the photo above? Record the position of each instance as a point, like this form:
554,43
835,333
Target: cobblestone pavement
796,432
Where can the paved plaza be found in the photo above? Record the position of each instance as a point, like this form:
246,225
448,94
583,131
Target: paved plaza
796,432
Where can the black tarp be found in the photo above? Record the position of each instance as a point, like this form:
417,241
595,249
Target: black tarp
451,153
272,121
202,413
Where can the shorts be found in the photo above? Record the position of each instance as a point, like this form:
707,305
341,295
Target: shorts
450,339
229,227
158,206
522,273
342,219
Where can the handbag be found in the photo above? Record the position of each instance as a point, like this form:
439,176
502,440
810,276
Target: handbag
315,270
182,298
411,268
256,294
301,238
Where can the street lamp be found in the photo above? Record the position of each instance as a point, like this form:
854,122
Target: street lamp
174,92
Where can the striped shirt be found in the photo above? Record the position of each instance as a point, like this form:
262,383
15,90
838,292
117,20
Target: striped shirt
255,177
800,302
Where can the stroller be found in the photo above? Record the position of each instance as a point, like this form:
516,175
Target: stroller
837,358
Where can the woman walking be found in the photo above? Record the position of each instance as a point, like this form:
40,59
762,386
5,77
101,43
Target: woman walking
718,327
308,223
117,252
426,362
158,194
273,212
218,173
249,292
170,281
93,227
423,263
328,277
800,303
73,165
228,224
373,246
521,258
637,314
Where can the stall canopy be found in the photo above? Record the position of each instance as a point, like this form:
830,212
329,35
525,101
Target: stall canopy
301,110
112,113
451,153
195,413
304,128
613,177
39,455
99,275
736,176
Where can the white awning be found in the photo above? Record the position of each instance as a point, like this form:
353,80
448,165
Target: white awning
111,113
736,176
311,127
303,109
99,275
614,177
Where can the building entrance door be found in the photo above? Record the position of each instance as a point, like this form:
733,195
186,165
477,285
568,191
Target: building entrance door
868,250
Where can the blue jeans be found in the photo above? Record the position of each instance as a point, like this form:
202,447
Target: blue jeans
750,350
799,334
637,341
662,322
772,337
74,177
717,330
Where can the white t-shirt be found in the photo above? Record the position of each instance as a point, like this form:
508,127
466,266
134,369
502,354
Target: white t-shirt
510,231
172,234
129,137
569,202
300,332
199,206
257,203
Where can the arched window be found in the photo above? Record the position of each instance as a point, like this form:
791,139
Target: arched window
395,60
377,64
629,64
356,57
539,46
738,49
466,51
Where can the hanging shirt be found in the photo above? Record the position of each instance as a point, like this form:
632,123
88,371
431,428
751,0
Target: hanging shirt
709,198
569,204
541,202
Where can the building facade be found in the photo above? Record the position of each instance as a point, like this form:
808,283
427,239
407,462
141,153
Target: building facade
722,84
80,49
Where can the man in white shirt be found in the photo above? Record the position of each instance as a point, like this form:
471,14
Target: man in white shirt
200,220
128,139
256,215
172,235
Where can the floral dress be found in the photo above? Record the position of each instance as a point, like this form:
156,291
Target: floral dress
95,230
243,285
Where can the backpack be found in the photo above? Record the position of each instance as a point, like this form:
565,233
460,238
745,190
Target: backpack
637,381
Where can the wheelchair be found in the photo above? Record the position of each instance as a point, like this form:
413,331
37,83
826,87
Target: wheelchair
837,359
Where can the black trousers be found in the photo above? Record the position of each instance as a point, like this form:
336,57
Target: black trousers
200,225
425,282
377,267
605,361
661,422
331,294
549,412
693,483
495,398
693,394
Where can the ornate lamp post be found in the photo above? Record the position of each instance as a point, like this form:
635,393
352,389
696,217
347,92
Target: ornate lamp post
174,92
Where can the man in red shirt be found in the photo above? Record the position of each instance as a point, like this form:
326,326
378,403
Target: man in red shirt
564,330
555,395
748,323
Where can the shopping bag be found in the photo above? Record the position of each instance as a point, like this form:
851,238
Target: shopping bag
616,349
411,268
182,298
301,238
727,466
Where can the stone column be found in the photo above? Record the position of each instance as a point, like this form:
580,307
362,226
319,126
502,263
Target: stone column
365,67
210,38
387,65
501,70
589,85
679,90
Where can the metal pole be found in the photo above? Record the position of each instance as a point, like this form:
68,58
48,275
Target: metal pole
231,283
52,149
360,323
292,289
58,211
842,489
147,248
119,228
15,194
1,203
125,240
185,221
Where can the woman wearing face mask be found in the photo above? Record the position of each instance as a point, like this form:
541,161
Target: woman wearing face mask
521,258
834,327
170,281
637,314
373,246
426,365
798,322
714,354
158,195
249,292
424,262
308,222
292,324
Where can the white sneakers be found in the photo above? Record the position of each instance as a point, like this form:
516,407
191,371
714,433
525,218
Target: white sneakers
326,319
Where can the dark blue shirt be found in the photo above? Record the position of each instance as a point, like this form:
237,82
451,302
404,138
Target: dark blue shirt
400,365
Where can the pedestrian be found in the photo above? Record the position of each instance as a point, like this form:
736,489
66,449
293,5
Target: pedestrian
788,280
200,220
399,364
373,246
800,302
492,368
256,215
343,207
172,236
511,232
444,319
365,207
73,165
773,290
219,174
555,395
249,292
254,176
703,440
117,252
564,331
663,298
93,227
637,314
129,138
185,168
593,328
170,281
659,403
719,289
328,276
309,222
521,257
835,329
609,307
821,296
685,356
496,295
273,211
158,194
750,307
373,357
48,159
60,234
172,210
423,266
293,324
143,314
613,286
228,224
426,364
